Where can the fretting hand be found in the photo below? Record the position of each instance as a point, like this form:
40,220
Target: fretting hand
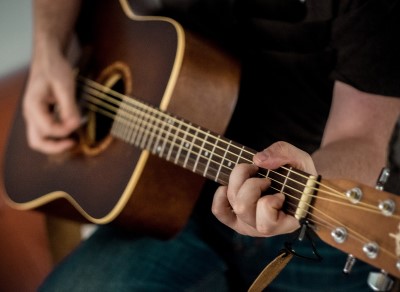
241,206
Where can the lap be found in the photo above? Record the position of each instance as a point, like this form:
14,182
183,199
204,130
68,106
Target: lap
115,261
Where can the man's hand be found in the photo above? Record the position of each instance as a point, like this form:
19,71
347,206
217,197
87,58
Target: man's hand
240,204
49,105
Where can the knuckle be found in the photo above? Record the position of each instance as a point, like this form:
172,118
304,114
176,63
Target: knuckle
265,229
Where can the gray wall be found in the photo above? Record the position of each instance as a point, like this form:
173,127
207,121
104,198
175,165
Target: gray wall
15,34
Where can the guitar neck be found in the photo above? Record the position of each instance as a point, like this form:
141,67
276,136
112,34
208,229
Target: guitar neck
185,144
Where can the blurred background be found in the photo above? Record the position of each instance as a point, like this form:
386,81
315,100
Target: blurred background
15,34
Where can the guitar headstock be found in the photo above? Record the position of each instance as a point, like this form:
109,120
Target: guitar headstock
359,220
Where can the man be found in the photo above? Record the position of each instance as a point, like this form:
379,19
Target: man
321,76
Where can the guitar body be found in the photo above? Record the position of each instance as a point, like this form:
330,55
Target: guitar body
155,60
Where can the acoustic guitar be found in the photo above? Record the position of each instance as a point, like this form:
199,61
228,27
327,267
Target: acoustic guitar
156,110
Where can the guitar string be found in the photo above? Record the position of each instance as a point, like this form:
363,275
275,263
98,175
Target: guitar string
111,115
340,195
103,90
343,203
324,223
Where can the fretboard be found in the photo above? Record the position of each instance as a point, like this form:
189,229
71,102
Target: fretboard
187,145
197,149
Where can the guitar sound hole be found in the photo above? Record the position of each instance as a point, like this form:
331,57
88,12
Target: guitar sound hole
104,123
103,107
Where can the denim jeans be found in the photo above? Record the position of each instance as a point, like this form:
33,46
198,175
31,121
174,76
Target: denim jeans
111,260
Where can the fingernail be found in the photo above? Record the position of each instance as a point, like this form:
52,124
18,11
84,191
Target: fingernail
261,156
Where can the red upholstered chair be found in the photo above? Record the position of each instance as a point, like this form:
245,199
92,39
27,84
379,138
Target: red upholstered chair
24,246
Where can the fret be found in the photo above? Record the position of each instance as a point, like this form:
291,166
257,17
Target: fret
183,145
285,180
201,151
277,178
116,126
159,135
297,186
146,129
213,161
125,129
192,143
142,126
127,121
152,129
127,124
137,120
239,156
166,133
224,151
119,127
206,155
173,142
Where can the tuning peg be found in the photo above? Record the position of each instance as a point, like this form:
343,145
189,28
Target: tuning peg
383,178
350,261
380,281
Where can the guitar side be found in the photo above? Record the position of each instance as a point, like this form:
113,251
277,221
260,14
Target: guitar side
167,67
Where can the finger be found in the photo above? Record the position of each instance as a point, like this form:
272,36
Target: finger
47,145
65,97
221,207
223,211
282,153
271,220
247,198
239,175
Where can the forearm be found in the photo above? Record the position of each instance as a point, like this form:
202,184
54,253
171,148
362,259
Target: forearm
352,158
357,135
53,23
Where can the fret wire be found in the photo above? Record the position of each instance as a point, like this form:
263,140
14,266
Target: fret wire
240,155
173,141
129,129
286,177
183,141
167,134
211,155
190,148
137,121
142,126
150,130
145,130
158,137
201,149
223,160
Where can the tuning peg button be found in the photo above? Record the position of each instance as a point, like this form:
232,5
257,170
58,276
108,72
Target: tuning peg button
371,249
350,261
380,281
